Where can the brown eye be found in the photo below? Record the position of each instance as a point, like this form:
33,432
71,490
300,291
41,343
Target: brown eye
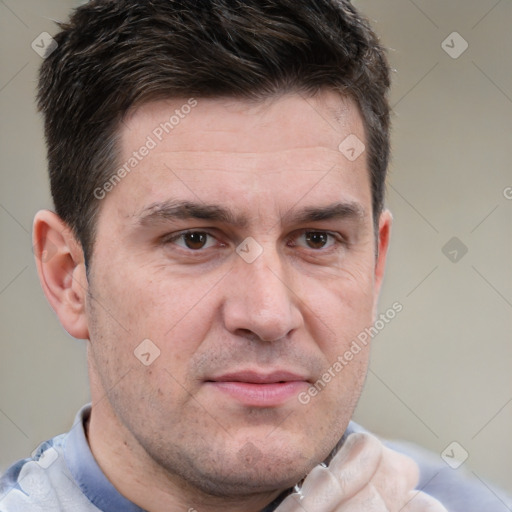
316,239
192,240
196,240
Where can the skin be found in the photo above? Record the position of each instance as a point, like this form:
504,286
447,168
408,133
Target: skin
166,437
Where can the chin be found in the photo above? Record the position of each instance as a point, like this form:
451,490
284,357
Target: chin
247,472
259,479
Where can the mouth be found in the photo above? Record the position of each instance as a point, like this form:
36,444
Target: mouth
258,389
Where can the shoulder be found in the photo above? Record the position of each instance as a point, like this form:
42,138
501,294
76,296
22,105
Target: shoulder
41,483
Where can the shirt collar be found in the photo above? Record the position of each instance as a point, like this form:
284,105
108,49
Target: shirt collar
86,472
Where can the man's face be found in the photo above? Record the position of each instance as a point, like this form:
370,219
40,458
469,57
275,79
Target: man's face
241,334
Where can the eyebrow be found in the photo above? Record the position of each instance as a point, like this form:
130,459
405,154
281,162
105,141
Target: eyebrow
347,210
172,210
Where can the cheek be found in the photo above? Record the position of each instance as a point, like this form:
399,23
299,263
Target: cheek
154,299
176,313
343,303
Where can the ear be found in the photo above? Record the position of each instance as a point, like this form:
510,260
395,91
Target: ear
385,221
61,268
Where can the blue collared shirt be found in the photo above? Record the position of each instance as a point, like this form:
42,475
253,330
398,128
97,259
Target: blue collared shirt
63,476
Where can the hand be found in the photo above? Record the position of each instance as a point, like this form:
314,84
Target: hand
364,476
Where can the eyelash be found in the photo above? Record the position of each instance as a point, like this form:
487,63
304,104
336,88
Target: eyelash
339,240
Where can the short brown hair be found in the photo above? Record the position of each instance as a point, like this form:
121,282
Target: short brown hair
115,54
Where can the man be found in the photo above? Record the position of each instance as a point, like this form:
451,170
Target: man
219,239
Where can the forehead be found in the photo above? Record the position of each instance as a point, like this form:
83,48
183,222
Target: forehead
285,150
324,115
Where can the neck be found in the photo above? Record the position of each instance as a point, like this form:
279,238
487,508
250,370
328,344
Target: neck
141,480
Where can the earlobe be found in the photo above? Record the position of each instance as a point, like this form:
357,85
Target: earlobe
385,221
61,268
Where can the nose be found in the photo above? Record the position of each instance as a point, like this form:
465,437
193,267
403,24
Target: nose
261,301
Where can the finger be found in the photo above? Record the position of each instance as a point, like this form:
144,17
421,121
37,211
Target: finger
420,502
291,503
356,463
321,490
320,493
395,477
366,500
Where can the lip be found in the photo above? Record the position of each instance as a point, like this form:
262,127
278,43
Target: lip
258,389
256,377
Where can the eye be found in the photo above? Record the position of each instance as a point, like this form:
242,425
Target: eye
193,240
316,240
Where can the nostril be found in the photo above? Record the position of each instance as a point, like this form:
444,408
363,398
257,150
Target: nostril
247,334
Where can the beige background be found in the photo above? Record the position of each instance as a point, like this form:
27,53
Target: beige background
441,370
